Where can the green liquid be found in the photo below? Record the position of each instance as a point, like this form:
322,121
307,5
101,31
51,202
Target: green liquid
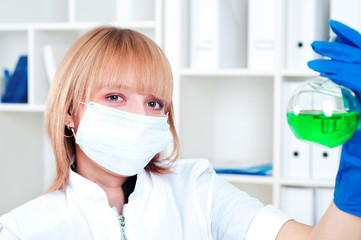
328,131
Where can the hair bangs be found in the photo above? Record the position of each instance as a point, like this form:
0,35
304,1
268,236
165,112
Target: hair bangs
133,61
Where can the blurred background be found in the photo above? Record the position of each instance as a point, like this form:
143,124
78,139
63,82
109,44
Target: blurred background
235,64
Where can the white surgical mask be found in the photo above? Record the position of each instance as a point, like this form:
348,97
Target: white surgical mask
119,141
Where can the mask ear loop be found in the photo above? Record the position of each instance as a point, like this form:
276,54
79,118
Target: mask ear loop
71,129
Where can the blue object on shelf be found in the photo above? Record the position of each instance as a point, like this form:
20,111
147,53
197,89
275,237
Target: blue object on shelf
16,89
260,170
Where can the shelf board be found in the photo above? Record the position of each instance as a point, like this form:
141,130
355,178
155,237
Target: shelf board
75,25
225,72
18,107
237,178
307,183
299,73
246,72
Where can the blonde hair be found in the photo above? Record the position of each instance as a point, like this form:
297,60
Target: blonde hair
112,57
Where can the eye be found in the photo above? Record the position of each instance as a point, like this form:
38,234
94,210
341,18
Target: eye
157,105
115,98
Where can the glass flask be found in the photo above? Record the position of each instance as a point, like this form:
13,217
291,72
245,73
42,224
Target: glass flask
322,112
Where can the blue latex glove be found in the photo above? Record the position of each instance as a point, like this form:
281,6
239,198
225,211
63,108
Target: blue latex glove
344,68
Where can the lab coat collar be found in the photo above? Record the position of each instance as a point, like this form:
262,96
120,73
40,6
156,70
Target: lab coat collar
92,201
86,191
89,193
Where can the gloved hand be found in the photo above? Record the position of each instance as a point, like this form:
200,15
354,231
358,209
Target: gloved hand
344,68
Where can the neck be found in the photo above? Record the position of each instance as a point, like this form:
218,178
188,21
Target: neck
110,182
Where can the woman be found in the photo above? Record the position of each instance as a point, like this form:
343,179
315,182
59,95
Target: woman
109,116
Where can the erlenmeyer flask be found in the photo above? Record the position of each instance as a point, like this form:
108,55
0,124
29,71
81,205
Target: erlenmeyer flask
323,112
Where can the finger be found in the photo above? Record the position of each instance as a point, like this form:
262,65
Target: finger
338,51
345,33
350,81
335,67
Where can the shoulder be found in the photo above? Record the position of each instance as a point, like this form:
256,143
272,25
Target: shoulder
191,177
190,171
192,166
37,207
36,215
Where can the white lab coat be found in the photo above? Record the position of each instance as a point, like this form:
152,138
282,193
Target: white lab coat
192,203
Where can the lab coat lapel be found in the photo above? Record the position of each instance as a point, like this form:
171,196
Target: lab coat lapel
92,202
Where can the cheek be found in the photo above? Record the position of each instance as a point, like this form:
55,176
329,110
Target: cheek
79,115
155,113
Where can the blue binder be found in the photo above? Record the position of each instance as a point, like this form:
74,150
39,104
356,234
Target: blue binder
16,88
260,170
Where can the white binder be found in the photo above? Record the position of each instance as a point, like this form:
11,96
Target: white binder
204,34
124,10
134,10
296,161
217,33
325,162
295,153
347,12
306,22
298,204
53,54
323,198
261,34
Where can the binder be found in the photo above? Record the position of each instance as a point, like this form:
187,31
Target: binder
325,162
259,168
323,198
124,10
297,202
204,29
307,20
348,14
296,161
217,34
261,34
16,87
53,54
134,10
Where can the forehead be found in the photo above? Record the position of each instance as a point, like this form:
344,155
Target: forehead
134,79
128,59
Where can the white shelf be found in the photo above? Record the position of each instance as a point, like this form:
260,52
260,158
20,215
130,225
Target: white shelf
238,178
234,178
221,113
14,107
186,72
25,31
75,26
21,37
307,183
234,113
299,73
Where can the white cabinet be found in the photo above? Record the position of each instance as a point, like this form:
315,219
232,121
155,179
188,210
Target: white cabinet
27,166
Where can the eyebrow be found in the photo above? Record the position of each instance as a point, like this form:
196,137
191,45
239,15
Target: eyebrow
126,88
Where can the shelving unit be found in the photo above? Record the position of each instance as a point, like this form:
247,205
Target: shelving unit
222,113
235,113
27,161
